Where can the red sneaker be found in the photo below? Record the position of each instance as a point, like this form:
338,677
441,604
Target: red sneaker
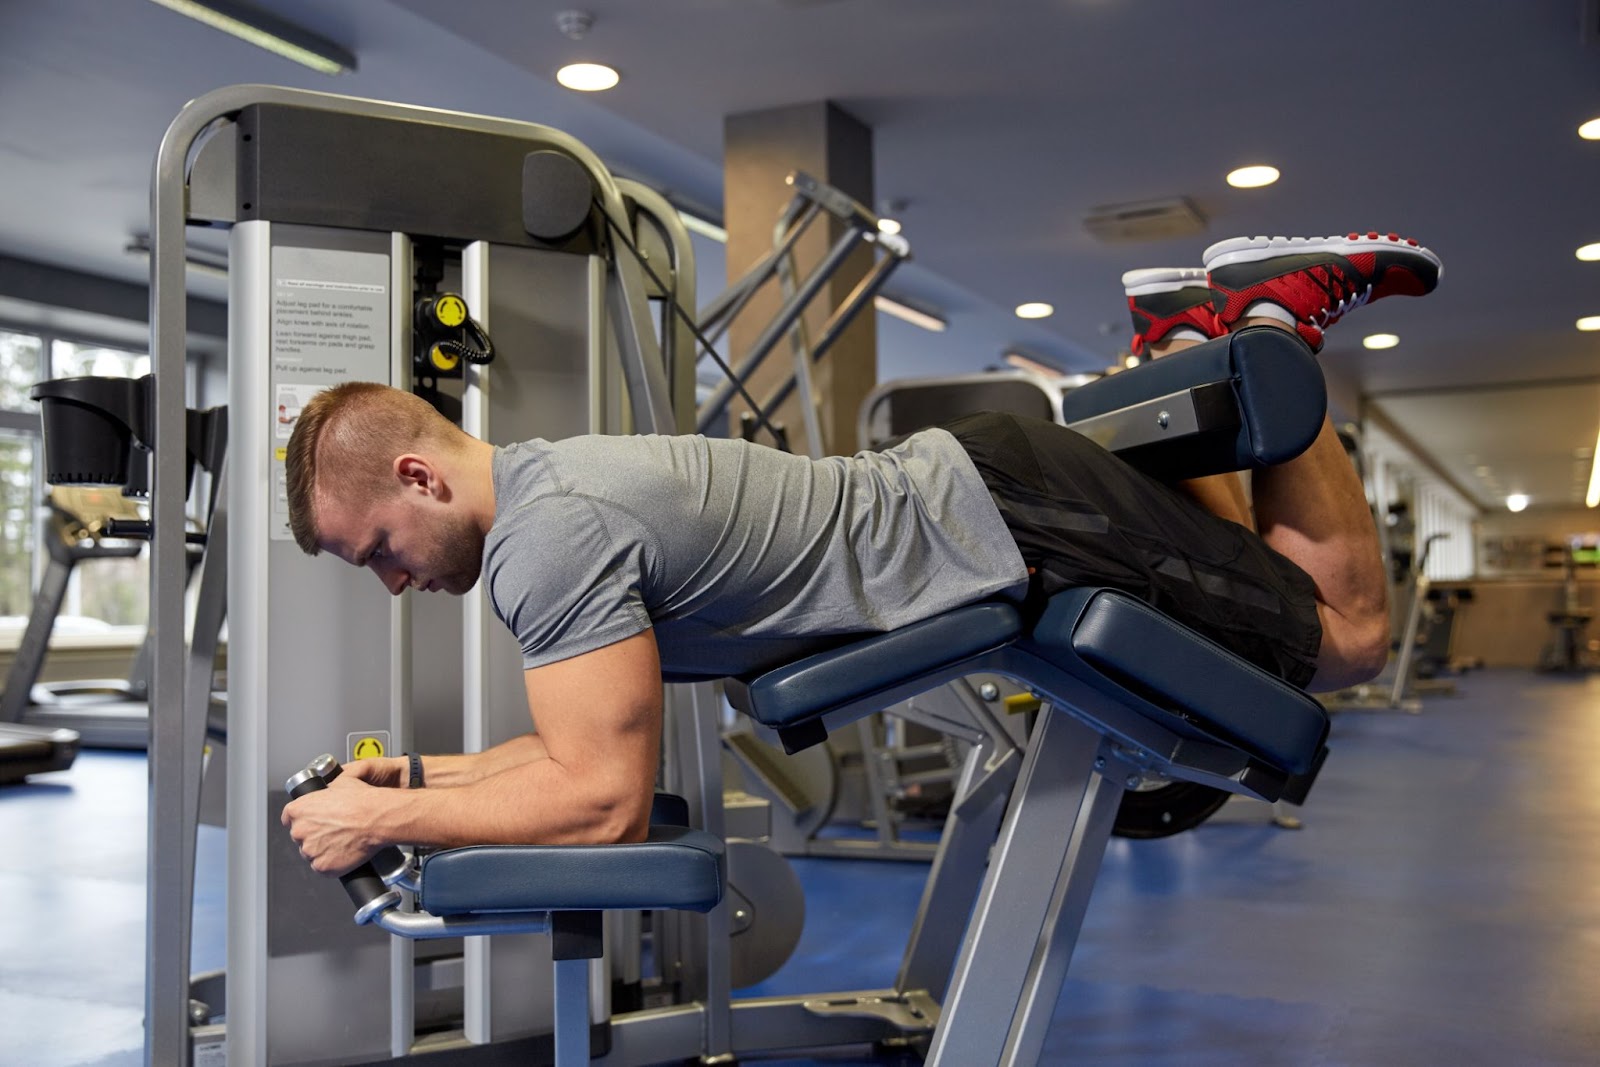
1315,280
1167,299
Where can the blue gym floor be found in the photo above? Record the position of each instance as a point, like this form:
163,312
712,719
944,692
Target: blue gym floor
1441,906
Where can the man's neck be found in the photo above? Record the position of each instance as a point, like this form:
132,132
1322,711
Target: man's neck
478,483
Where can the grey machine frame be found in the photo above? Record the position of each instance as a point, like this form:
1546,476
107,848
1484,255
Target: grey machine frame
632,382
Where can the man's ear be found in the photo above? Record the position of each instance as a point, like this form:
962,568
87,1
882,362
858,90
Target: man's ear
417,473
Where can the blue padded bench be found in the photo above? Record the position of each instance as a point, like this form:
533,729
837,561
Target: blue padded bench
560,890
1126,691
676,868
1183,695
1251,399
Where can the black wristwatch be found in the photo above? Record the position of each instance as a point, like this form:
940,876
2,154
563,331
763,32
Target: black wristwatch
415,763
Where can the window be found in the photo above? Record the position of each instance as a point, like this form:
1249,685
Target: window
20,358
19,496
19,370
69,359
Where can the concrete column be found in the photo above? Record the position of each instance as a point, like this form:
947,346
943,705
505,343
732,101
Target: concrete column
760,149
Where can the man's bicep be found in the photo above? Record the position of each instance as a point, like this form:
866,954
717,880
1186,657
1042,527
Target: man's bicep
599,714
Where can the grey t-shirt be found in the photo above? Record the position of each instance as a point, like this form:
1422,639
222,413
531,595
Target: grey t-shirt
740,556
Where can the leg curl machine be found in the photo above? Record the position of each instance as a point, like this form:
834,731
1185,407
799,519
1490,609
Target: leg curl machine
1125,692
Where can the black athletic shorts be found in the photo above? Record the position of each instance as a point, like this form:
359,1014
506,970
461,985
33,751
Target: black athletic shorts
1083,517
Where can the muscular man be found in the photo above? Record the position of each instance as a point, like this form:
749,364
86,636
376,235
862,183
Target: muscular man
615,559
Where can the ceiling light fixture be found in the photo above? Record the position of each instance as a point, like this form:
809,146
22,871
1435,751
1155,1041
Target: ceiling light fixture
1035,310
1516,502
906,313
1589,253
588,77
889,226
1593,497
1590,131
1589,323
1380,340
267,31
1253,177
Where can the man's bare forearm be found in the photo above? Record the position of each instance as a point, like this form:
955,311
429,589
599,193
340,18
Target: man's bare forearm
446,772
535,801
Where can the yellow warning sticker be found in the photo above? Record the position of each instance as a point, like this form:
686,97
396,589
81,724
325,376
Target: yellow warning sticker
282,454
365,744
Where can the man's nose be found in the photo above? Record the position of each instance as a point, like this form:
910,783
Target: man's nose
393,578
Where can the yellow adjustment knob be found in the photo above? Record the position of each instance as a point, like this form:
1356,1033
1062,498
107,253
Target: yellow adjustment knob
441,359
1020,703
450,310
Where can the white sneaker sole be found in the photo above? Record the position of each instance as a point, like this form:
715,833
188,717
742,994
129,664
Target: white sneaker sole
1250,249
1162,280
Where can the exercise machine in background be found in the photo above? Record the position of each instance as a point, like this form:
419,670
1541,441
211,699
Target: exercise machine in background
105,712
42,726
858,229
1571,649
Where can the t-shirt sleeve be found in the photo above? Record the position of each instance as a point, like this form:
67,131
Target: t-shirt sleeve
562,583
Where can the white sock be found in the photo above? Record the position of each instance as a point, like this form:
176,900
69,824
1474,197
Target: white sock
1266,309
1184,333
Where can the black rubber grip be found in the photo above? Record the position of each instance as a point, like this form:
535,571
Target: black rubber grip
363,885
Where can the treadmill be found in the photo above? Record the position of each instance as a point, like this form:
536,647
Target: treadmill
26,750
105,713
96,435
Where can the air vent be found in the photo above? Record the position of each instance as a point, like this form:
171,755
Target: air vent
1146,220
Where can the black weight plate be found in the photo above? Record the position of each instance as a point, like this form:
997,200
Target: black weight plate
1167,809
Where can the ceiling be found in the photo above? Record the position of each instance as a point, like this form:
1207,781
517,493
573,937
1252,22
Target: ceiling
1000,126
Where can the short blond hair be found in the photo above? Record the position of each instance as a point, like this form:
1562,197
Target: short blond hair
345,441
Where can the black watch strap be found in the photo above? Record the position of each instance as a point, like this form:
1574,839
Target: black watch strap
414,761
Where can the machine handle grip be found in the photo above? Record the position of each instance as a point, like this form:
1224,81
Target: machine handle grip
363,885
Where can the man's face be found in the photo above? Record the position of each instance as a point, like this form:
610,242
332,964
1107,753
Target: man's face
407,539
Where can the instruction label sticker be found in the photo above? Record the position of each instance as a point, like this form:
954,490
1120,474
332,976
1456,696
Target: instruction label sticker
366,744
330,324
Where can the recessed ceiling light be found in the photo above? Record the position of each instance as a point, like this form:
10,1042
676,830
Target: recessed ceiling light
1252,177
1589,322
1380,340
1516,501
891,226
1589,253
1044,311
1590,131
588,77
